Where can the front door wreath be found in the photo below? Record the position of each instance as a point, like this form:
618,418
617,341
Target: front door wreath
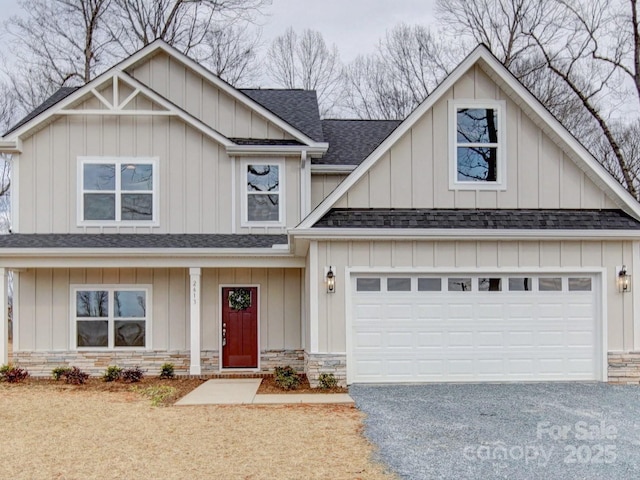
240,299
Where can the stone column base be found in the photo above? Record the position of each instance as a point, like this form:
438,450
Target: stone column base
317,363
624,367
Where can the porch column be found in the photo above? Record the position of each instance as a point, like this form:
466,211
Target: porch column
4,319
194,274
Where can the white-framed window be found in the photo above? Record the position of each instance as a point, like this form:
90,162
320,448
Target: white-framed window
118,190
263,193
107,317
477,143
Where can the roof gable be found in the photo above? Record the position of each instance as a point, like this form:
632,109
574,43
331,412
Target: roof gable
535,113
65,96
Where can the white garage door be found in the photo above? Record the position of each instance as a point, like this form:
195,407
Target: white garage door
418,328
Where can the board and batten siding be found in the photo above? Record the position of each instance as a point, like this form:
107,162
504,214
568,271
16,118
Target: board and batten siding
473,255
414,172
198,96
322,185
43,313
195,175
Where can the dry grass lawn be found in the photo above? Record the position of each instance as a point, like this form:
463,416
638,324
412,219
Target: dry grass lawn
50,433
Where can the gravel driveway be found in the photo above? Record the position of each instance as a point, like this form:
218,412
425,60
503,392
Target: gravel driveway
514,431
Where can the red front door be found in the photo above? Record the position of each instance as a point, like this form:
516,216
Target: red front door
240,330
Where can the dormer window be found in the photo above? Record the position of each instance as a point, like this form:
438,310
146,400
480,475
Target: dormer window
117,190
477,140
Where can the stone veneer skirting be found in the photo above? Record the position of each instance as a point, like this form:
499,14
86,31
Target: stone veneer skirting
40,364
624,367
317,363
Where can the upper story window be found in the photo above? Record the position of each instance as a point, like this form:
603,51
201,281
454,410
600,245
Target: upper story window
264,193
117,190
477,136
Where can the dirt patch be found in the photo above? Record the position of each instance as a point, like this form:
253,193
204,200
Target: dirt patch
269,386
50,430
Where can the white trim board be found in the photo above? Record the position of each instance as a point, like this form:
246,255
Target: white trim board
514,88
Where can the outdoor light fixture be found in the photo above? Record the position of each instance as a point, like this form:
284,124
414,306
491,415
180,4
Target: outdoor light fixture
623,280
331,281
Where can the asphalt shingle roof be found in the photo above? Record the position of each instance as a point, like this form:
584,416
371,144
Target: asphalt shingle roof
263,141
299,108
60,94
146,241
351,141
479,219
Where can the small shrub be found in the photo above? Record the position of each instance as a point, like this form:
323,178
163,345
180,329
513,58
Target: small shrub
132,375
327,381
59,372
12,374
166,371
112,373
75,376
287,378
159,394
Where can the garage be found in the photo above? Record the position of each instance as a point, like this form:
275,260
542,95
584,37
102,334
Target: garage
474,327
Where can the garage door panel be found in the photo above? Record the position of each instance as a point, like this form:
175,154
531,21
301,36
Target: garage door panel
474,336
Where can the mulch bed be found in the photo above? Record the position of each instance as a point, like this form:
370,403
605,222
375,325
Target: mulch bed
269,386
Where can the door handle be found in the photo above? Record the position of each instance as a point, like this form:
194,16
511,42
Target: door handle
224,334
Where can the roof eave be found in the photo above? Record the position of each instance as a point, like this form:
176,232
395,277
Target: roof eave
314,150
461,234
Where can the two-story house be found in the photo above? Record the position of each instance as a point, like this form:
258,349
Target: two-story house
161,215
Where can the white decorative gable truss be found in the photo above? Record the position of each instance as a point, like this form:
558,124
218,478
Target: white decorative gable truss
117,78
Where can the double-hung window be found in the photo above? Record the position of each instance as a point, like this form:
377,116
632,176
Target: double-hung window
118,190
264,193
110,317
477,139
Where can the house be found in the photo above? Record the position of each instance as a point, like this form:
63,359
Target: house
161,215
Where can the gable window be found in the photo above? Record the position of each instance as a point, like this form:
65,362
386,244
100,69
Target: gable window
110,317
263,202
118,190
477,145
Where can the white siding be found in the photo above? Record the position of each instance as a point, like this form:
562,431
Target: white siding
44,315
414,173
461,255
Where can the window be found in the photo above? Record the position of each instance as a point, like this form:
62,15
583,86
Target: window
580,284
107,318
490,284
264,192
477,145
368,284
550,284
429,284
117,190
402,284
520,284
459,285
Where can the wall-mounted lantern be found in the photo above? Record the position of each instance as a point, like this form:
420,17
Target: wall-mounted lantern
331,281
623,280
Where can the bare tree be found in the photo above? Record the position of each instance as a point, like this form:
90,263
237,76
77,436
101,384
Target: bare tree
390,83
231,54
307,62
580,57
60,40
599,40
185,24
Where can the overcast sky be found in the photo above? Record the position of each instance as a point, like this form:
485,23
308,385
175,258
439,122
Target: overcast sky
353,25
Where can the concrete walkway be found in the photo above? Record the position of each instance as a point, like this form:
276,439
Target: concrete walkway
243,391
